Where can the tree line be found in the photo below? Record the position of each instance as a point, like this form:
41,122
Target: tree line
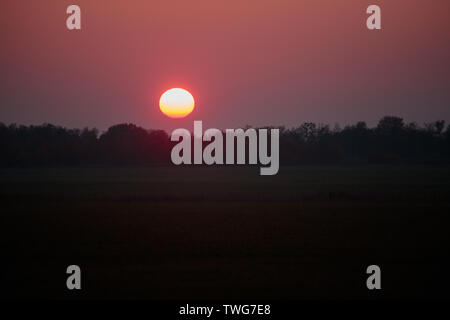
391,141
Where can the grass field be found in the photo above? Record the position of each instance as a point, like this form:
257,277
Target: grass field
208,232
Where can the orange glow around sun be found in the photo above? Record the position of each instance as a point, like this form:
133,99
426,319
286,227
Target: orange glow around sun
176,103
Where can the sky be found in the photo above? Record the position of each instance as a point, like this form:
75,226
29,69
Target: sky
265,62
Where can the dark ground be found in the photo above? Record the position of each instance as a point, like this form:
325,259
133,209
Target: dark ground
205,232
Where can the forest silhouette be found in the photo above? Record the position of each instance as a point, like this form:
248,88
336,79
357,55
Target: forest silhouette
391,141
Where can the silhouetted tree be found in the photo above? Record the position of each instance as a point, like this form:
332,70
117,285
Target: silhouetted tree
391,141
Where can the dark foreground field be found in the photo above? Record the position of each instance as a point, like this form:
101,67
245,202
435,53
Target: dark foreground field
186,233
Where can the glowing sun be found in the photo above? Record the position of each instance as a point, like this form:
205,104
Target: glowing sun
176,103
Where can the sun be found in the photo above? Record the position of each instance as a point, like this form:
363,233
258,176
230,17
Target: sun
176,103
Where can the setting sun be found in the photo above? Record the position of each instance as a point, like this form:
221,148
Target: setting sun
176,103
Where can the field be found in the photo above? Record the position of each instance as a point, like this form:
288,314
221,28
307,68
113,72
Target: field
208,232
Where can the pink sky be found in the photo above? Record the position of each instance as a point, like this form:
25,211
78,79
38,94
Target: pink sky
246,62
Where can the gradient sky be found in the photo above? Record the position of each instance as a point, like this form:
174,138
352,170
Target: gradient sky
254,62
